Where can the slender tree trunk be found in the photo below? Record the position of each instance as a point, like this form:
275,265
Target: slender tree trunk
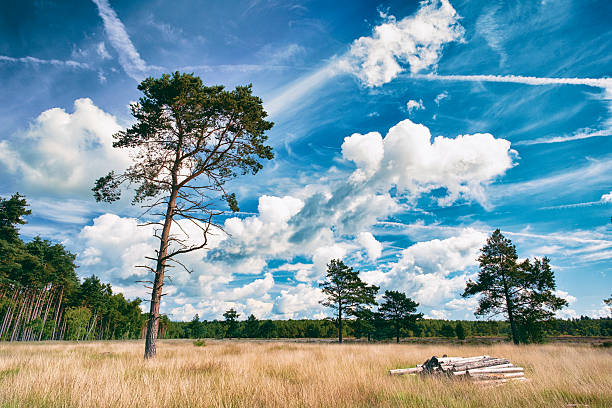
27,315
91,327
397,331
57,312
22,309
340,323
63,331
6,323
46,313
156,293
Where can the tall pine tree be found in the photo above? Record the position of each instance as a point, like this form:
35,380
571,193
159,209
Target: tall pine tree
188,141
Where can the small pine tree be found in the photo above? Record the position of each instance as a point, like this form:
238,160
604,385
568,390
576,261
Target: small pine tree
231,321
252,327
400,310
345,291
460,331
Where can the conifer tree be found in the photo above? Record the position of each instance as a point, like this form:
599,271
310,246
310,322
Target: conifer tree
523,293
231,320
498,280
345,291
188,141
399,310
460,331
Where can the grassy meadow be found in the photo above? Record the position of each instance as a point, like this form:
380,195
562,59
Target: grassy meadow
289,374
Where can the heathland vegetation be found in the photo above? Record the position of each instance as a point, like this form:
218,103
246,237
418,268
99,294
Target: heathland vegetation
283,374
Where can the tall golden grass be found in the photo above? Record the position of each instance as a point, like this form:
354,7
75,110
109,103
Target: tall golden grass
285,374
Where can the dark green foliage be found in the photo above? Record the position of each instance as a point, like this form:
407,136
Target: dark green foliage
195,328
268,330
364,324
460,331
424,328
447,330
400,310
523,293
346,292
536,302
231,321
12,252
251,328
182,123
12,211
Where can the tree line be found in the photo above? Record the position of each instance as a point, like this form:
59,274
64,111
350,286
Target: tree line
253,328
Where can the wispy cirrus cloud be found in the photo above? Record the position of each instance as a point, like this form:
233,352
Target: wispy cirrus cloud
604,200
605,83
129,58
566,138
39,61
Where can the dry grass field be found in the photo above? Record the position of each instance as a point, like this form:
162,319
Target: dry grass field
284,374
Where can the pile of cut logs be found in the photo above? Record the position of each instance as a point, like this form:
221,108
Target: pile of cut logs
484,369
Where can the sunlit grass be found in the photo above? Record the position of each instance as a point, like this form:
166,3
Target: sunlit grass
277,374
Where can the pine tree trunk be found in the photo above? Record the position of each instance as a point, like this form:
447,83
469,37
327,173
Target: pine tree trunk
46,313
397,332
340,323
8,316
28,314
156,293
57,313
18,319
510,309
93,324
63,331
513,328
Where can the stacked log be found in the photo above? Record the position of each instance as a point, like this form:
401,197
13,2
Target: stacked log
482,369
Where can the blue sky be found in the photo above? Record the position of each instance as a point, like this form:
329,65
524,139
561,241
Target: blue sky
405,132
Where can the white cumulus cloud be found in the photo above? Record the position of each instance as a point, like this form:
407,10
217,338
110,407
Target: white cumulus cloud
366,151
411,161
370,244
298,301
65,152
435,270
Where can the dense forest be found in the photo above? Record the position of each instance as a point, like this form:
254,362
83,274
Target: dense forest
41,298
